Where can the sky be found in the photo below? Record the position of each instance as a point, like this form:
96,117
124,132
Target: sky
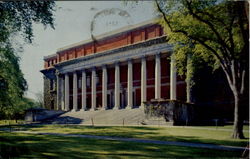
73,24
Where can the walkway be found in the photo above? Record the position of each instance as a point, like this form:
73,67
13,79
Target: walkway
173,143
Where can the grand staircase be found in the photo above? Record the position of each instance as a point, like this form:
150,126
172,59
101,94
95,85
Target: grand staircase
124,117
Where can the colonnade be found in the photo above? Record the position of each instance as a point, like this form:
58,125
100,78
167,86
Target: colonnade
63,92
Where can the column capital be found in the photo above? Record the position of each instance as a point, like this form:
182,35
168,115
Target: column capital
57,73
172,57
104,66
67,73
158,54
143,57
117,63
129,59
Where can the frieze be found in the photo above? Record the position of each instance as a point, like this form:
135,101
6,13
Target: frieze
110,57
125,48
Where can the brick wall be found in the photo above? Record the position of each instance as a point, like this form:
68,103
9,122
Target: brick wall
115,41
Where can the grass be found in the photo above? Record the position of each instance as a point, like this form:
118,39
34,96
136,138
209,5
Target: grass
227,127
11,122
18,145
213,136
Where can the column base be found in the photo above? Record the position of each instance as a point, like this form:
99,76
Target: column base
74,110
129,107
92,109
116,108
103,108
142,105
82,110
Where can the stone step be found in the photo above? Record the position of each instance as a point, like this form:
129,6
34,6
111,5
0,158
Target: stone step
108,117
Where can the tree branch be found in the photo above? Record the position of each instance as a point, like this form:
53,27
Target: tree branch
242,82
190,36
211,26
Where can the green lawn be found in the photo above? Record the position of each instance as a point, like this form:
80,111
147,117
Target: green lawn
17,145
7,122
219,137
227,127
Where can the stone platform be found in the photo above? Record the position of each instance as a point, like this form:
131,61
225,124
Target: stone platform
124,117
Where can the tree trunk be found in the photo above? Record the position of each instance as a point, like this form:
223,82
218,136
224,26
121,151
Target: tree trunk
238,93
238,117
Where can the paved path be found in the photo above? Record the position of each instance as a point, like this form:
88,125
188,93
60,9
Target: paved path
174,143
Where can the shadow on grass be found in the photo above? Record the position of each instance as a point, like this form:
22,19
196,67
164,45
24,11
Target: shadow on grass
63,120
15,145
196,139
140,132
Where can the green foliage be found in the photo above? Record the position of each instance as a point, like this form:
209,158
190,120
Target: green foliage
187,47
20,16
216,31
17,18
209,23
17,109
12,82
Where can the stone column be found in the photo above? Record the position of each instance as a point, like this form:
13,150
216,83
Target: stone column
130,84
75,91
117,86
157,76
84,90
93,90
62,94
58,93
143,80
67,92
172,79
104,87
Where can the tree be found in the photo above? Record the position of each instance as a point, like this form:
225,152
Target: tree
17,18
218,32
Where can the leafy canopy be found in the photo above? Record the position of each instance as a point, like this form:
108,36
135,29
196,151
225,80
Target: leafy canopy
206,29
17,18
